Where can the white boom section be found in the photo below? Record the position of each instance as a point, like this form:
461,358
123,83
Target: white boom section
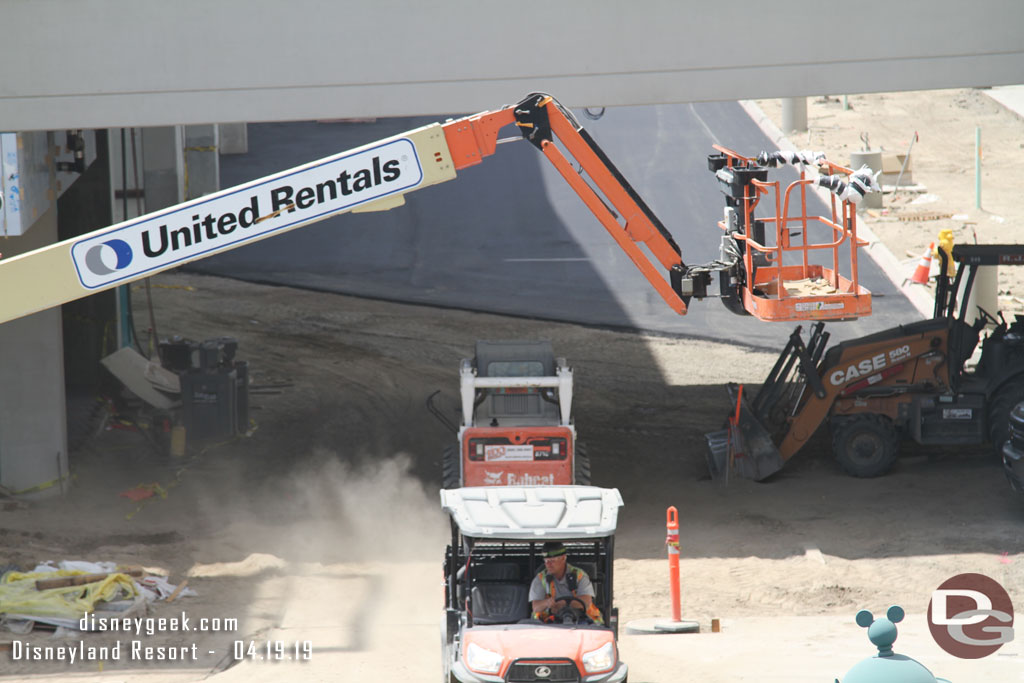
469,383
369,178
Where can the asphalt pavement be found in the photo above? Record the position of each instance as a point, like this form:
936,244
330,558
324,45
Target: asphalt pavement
509,236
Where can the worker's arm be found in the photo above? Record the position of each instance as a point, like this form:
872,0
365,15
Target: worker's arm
540,601
548,604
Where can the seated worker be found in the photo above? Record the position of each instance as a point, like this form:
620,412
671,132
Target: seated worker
559,579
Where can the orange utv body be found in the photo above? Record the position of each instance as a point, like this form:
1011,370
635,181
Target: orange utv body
526,649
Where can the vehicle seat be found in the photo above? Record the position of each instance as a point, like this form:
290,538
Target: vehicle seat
500,603
505,572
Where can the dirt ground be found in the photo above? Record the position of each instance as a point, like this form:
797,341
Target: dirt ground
323,524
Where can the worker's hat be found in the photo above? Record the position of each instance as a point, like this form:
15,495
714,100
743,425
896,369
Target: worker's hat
554,549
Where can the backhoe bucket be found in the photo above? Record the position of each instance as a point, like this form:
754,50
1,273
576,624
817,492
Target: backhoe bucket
748,447
744,449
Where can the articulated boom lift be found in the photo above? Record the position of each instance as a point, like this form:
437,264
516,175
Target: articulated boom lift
376,177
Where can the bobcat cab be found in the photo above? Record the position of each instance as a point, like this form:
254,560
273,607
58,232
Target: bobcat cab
488,633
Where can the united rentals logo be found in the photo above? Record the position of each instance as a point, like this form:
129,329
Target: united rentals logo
246,213
108,257
970,616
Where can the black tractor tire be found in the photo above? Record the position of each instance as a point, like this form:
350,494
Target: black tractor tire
450,469
999,406
581,466
865,445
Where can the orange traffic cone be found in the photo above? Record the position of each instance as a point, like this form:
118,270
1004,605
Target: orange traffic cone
924,267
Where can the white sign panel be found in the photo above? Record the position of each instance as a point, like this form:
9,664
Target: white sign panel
241,214
508,453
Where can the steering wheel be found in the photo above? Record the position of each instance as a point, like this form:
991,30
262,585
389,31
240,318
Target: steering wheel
571,614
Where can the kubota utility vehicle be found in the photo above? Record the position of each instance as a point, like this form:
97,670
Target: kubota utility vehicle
516,427
487,633
911,381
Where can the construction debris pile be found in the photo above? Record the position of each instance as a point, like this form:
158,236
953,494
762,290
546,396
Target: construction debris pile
72,594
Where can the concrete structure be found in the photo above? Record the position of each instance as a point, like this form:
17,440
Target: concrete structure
129,64
33,432
200,62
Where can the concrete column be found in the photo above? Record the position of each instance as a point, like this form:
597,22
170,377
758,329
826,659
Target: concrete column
234,138
163,164
33,432
202,162
872,159
794,114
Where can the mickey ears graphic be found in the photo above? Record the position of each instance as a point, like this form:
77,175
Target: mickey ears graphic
894,614
882,632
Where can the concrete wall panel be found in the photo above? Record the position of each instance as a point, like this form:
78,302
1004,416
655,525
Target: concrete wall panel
126,63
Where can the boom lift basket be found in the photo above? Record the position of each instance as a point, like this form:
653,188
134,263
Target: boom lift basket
778,282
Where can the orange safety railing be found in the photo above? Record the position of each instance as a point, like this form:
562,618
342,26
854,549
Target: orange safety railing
765,294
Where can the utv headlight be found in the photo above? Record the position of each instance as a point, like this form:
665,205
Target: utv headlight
483,660
601,659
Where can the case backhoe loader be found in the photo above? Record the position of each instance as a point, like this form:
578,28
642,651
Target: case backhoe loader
908,382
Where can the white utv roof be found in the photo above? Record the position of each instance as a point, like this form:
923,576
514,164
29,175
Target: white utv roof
533,512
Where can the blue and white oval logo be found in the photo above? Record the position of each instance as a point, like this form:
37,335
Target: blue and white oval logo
108,257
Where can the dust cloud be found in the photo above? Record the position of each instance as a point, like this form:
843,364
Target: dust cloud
369,510
323,510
